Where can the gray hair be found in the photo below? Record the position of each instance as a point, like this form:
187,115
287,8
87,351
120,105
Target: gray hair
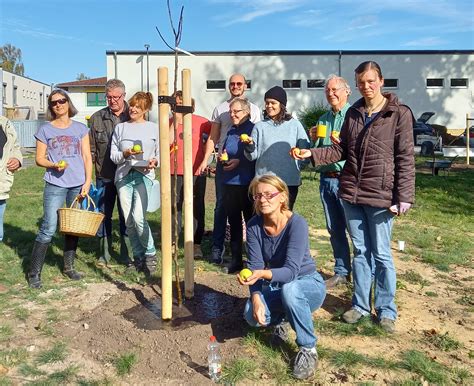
244,103
340,80
114,83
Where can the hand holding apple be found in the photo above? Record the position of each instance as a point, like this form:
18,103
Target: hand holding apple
245,138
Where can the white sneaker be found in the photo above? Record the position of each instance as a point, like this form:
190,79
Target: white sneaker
198,252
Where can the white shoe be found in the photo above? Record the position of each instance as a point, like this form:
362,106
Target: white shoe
198,252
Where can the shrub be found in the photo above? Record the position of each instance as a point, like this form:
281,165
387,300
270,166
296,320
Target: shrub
308,116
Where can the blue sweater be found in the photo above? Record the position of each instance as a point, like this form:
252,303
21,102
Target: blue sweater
245,171
271,147
287,254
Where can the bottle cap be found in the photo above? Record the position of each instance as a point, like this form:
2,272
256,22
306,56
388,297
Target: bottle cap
213,338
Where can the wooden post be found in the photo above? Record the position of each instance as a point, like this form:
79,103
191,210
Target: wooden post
188,189
165,176
467,139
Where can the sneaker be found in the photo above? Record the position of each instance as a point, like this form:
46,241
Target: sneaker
197,251
335,281
352,316
388,325
305,363
217,255
280,333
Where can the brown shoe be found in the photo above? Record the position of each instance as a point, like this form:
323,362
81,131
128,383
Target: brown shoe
335,281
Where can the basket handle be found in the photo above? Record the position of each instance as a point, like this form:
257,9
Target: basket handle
76,204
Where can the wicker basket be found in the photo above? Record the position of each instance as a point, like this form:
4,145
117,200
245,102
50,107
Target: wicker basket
79,222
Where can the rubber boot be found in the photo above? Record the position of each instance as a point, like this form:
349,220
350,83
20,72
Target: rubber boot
36,264
149,267
105,245
236,263
70,247
125,247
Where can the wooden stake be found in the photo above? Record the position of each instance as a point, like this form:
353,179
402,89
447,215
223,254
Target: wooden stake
166,258
467,139
188,189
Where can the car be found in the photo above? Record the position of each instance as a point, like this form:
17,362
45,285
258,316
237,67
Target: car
424,135
421,126
471,137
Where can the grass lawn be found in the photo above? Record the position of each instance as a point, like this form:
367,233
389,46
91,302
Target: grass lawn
438,234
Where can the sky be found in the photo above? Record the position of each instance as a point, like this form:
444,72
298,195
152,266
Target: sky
60,39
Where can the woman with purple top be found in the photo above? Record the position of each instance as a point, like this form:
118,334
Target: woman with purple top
62,147
284,285
135,150
237,174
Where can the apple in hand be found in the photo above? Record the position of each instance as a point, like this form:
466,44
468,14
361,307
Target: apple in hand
62,164
245,274
224,156
137,148
245,138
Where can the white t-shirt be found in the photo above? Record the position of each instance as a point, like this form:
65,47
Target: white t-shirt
221,115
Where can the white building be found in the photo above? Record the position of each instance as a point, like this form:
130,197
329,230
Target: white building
87,95
22,97
439,81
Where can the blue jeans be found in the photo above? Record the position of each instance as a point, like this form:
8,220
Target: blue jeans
133,192
371,231
294,301
106,206
220,215
335,224
3,205
53,199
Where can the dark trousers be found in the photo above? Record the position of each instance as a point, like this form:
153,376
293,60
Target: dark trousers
106,206
293,190
237,202
199,191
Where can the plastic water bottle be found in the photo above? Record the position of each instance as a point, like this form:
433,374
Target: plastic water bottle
214,360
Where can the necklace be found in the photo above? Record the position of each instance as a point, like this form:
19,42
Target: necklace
371,110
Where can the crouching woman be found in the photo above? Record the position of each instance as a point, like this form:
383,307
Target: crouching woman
284,285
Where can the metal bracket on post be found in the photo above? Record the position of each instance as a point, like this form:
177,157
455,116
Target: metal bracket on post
172,102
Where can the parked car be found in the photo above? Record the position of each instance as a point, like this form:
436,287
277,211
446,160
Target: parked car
424,135
471,137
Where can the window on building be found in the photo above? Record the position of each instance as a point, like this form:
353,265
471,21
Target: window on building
390,83
435,82
291,83
4,95
315,83
213,85
459,83
249,84
41,100
15,95
96,99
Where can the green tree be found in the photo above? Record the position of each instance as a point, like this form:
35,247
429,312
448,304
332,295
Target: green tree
11,59
82,76
308,116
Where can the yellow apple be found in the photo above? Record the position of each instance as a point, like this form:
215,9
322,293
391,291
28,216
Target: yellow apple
244,137
296,151
224,157
136,148
62,164
245,274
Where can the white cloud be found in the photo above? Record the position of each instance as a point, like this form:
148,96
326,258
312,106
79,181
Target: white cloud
425,42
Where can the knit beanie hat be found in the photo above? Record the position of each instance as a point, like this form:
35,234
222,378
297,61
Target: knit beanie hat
276,93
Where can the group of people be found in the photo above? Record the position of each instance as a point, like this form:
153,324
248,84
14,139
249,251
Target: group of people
364,153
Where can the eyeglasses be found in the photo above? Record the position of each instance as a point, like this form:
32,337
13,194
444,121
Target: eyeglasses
333,90
114,98
268,196
235,111
58,102
238,84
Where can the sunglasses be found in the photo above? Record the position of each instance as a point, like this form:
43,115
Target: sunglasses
267,196
58,102
238,84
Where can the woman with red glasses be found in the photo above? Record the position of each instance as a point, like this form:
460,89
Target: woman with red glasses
284,285
62,148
